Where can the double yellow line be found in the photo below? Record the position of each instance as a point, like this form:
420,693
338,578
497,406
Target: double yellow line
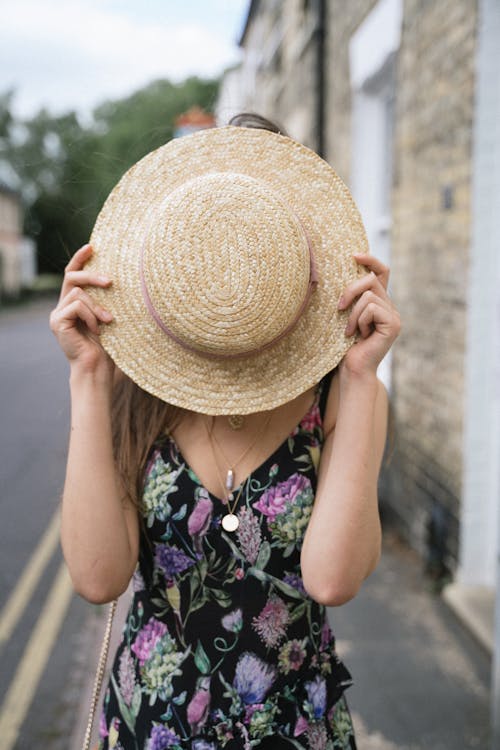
39,647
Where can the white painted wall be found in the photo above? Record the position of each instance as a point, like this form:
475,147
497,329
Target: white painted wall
372,51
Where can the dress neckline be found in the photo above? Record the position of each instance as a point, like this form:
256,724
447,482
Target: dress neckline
257,469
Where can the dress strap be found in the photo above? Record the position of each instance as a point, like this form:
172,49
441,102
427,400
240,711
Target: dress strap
324,389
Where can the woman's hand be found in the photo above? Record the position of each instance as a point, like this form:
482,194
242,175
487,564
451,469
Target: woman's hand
75,321
373,315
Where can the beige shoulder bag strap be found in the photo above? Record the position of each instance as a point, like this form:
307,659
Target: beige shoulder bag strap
101,667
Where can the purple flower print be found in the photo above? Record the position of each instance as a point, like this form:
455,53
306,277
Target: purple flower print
199,705
272,621
103,727
137,582
203,745
317,736
316,692
312,419
249,535
233,622
172,560
291,656
126,676
295,581
155,456
301,726
274,500
147,638
253,678
162,737
326,636
199,521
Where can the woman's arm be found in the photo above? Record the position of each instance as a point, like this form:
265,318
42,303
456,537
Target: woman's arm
99,526
99,529
343,540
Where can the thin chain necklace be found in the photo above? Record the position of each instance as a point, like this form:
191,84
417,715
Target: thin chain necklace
230,521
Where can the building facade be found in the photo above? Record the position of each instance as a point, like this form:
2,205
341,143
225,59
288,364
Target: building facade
389,92
10,242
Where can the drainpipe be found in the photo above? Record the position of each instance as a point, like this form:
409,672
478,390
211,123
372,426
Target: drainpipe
320,40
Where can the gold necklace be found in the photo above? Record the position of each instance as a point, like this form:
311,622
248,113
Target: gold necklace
230,521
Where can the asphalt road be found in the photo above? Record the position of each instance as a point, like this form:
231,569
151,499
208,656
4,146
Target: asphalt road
38,654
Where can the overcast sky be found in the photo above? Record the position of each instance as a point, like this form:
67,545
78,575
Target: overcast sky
73,54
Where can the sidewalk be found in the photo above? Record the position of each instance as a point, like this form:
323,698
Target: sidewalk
420,679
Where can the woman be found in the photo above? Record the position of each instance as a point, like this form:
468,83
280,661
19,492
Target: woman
228,261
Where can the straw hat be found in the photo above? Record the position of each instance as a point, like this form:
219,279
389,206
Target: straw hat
228,250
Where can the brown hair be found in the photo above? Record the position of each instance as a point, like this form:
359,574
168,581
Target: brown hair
138,418
253,120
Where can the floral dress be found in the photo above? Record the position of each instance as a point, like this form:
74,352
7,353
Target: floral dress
222,646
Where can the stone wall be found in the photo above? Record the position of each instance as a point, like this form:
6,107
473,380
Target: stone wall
10,243
430,248
278,71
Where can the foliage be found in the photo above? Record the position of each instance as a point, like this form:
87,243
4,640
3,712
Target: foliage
65,169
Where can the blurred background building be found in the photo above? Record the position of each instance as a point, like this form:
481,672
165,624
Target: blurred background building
194,119
17,253
403,99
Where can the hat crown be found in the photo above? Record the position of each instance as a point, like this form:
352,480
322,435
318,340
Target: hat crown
225,265
227,368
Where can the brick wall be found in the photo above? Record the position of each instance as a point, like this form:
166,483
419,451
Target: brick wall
430,237
430,247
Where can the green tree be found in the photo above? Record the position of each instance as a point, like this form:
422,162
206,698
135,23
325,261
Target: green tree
67,169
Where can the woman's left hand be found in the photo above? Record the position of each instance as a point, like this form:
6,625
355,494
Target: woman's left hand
373,315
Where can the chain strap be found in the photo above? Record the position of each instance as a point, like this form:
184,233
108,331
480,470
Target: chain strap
101,666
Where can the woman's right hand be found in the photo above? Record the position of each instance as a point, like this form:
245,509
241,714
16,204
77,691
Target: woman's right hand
76,319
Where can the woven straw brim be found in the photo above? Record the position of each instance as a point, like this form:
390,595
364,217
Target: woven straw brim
263,380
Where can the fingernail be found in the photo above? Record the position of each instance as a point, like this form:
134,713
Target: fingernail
104,279
106,315
341,302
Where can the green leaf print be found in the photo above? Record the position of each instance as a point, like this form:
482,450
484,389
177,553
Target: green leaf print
179,515
263,556
125,712
196,604
234,549
261,575
305,458
193,476
136,700
223,598
168,714
201,659
297,612
179,700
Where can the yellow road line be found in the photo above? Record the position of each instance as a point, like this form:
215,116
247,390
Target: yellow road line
16,603
30,669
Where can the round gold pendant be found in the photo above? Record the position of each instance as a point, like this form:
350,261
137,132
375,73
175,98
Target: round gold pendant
230,522
236,421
